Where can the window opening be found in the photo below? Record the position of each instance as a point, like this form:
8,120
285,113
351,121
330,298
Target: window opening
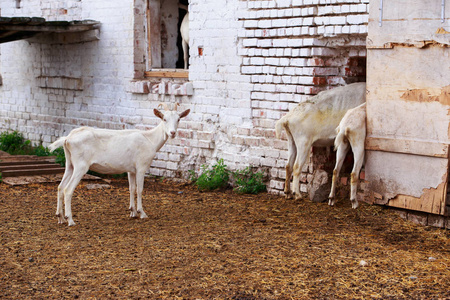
165,50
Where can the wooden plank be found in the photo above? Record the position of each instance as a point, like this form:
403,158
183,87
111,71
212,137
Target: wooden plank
46,28
21,180
37,25
149,36
154,33
31,162
432,149
26,159
169,73
31,172
28,166
431,201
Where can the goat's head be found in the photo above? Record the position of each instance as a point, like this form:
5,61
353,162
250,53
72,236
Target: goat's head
170,118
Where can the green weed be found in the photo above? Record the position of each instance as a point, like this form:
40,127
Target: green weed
14,143
248,182
218,176
41,151
213,178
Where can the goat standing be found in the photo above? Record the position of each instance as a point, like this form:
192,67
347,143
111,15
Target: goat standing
313,123
350,132
112,152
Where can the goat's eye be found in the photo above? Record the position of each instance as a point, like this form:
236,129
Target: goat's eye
164,120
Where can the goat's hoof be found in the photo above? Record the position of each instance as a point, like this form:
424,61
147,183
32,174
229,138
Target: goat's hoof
330,201
70,220
143,215
297,196
133,214
61,220
355,204
288,195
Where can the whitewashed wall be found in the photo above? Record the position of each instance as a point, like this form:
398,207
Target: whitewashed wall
258,59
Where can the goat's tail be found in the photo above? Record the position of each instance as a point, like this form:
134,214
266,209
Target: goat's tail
58,143
279,127
341,136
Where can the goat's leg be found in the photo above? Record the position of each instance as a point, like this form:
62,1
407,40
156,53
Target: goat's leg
340,157
62,186
302,155
292,152
185,46
358,154
132,186
59,205
68,191
140,188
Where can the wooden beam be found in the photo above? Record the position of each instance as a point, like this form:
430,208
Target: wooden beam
168,73
433,149
154,33
47,28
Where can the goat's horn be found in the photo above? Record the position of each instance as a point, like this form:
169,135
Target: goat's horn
164,105
175,106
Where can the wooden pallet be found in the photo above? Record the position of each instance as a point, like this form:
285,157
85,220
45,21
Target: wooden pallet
26,169
26,165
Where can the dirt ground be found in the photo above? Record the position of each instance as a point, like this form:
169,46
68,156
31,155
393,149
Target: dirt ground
212,245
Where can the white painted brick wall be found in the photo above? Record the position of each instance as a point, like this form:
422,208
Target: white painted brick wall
260,58
287,75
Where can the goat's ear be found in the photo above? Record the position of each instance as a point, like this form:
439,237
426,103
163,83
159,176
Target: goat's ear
185,113
158,114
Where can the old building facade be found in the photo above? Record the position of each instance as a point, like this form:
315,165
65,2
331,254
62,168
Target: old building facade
250,62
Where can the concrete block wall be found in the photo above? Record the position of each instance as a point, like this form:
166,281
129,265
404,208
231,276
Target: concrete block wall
250,61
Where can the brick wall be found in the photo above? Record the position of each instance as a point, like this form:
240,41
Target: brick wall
250,61
51,87
293,49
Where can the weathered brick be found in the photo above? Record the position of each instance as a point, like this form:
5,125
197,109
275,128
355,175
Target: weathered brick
357,19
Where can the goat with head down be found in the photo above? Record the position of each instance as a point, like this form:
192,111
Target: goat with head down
313,123
350,132
113,152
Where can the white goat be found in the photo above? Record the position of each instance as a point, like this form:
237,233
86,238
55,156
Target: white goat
350,132
112,152
313,123
184,30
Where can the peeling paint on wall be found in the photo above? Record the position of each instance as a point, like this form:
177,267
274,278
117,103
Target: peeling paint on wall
428,95
430,200
408,107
